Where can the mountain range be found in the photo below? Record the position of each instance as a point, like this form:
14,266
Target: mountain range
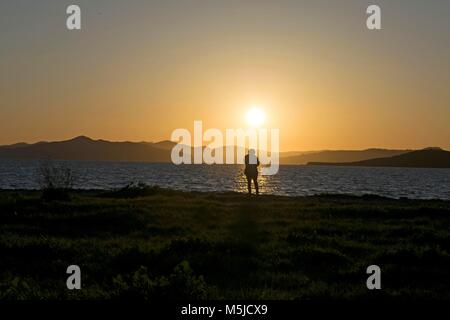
426,158
339,155
85,148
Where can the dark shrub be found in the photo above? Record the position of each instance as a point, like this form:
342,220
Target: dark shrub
181,284
56,181
133,190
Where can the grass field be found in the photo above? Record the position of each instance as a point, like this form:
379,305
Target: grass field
169,244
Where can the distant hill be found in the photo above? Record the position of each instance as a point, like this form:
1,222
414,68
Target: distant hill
165,145
339,156
84,148
426,158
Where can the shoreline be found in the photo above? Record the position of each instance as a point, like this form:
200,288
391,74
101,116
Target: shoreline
157,189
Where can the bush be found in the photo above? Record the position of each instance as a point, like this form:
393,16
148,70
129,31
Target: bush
19,289
181,284
133,190
56,181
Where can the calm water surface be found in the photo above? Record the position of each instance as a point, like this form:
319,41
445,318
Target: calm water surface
291,180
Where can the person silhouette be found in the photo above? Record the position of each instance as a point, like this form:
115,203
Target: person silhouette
251,170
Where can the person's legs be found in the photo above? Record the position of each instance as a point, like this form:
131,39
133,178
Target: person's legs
255,181
249,184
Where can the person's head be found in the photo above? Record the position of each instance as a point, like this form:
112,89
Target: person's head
252,152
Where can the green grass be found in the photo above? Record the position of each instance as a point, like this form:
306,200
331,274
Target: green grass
169,244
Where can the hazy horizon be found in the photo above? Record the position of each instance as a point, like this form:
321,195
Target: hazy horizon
140,69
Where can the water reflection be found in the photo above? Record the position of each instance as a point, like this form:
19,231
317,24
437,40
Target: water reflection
240,183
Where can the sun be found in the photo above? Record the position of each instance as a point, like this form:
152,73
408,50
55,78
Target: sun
256,117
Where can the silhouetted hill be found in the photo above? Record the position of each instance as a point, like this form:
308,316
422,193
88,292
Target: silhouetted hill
17,145
84,148
426,158
165,145
338,156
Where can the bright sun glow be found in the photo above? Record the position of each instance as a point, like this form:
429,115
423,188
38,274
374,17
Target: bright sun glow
256,117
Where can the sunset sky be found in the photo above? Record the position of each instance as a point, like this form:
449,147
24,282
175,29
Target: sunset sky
140,69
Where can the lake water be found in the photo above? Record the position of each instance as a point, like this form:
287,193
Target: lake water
291,180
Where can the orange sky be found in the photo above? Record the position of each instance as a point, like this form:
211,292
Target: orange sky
139,70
